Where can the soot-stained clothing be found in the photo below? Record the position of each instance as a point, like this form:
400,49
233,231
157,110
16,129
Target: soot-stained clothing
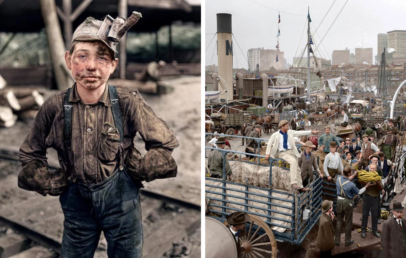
95,150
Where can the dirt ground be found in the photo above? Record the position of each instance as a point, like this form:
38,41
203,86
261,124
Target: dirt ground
181,110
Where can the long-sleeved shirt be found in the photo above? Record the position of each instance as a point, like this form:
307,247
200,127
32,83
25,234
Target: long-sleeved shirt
332,161
325,140
215,164
349,188
373,146
94,155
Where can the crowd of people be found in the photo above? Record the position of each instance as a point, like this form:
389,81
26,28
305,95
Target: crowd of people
340,163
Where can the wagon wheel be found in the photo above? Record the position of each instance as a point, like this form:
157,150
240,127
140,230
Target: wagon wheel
230,131
250,247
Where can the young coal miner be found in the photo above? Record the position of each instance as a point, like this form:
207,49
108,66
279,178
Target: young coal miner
92,127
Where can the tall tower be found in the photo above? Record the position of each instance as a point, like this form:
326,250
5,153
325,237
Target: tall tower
225,54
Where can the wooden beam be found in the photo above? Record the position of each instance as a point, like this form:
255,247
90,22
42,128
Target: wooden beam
80,10
67,9
122,11
55,42
60,13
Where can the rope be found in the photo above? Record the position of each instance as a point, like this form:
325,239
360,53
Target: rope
276,9
240,49
304,27
365,176
325,16
211,41
333,22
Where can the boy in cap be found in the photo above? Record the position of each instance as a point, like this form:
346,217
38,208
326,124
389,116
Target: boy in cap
237,222
332,163
325,236
393,239
282,143
92,127
307,162
215,162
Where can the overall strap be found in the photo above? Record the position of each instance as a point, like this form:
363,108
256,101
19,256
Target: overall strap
115,109
68,120
341,185
118,121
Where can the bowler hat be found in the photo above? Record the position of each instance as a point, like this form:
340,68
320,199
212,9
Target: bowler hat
221,140
238,218
282,123
326,205
333,145
397,206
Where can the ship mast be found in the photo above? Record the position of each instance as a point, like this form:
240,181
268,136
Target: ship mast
308,56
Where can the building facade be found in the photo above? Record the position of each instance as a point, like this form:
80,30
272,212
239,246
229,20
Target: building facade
397,40
363,55
341,56
265,58
382,44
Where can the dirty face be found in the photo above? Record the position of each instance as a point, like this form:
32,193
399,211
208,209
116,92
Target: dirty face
327,130
91,64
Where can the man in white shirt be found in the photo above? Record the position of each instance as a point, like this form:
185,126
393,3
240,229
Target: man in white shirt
213,141
333,165
282,143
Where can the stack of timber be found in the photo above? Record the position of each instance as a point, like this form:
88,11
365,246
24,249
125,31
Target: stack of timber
18,103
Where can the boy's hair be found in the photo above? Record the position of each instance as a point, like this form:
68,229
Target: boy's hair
347,171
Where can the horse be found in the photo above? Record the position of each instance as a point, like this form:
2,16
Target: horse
257,119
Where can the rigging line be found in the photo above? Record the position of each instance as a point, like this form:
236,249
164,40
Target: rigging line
326,52
304,27
214,49
239,47
325,16
276,9
211,41
334,21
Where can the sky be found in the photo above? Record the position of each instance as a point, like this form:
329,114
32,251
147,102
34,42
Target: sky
255,24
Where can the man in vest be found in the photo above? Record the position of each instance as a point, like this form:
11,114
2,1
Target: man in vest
92,126
370,203
282,143
388,144
216,163
354,147
374,160
367,149
384,164
393,239
346,190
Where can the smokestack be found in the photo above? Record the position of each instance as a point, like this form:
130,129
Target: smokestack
225,54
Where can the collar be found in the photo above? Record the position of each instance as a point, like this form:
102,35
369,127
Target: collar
282,132
74,96
234,232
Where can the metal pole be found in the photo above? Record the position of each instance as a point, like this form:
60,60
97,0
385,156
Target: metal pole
394,99
308,60
122,11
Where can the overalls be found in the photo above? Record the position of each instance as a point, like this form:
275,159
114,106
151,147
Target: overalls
112,206
344,211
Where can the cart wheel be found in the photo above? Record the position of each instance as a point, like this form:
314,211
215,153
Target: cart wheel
250,247
230,131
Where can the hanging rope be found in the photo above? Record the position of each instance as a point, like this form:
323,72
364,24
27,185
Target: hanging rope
211,41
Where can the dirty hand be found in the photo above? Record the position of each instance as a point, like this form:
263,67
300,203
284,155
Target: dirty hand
329,178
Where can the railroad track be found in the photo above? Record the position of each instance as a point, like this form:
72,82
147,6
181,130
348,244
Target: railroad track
32,225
